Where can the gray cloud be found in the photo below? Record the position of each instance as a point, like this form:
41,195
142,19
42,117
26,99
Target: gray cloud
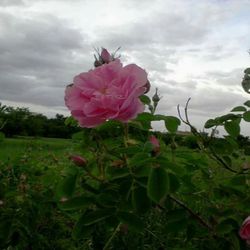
8,3
39,57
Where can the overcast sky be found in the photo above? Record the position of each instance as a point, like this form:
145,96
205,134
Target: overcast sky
189,48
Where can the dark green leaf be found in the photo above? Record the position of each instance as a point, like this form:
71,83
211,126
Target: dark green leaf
247,71
145,99
174,183
232,128
210,123
246,116
158,184
172,123
133,221
239,109
224,228
76,203
140,159
66,187
93,217
116,172
247,103
228,117
144,117
140,200
80,231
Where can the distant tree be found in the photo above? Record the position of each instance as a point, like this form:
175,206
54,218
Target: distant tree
21,121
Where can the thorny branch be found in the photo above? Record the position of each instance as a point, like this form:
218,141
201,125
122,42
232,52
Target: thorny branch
201,143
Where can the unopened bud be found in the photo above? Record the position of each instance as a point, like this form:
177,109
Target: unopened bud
156,144
155,97
105,55
78,160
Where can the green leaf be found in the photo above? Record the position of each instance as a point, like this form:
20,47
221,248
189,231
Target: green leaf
145,99
174,183
80,231
224,228
247,103
140,159
140,200
246,85
144,117
93,217
239,109
228,117
232,128
247,71
66,187
116,173
172,123
76,203
133,221
246,116
158,184
210,123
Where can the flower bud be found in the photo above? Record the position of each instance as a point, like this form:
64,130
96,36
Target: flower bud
245,229
156,144
155,97
105,55
78,160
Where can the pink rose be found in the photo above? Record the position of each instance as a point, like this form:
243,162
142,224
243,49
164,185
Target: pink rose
155,143
109,91
78,160
245,230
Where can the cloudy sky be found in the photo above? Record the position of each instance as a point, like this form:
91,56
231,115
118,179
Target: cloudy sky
189,48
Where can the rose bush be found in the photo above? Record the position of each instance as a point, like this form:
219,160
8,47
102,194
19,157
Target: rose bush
138,189
108,92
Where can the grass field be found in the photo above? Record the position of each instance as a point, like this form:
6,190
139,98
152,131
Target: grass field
12,149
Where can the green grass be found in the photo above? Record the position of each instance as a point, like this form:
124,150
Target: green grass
12,149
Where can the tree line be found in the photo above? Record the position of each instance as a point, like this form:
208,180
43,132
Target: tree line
22,122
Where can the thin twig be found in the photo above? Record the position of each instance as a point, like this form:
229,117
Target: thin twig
111,237
196,216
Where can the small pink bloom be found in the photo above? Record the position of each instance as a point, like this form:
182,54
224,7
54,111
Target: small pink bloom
155,143
109,91
105,55
78,160
245,229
